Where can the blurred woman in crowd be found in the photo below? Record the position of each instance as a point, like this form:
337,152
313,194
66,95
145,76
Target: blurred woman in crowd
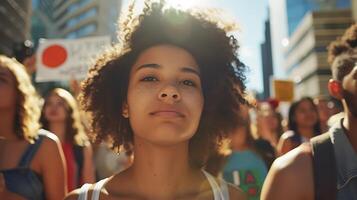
61,116
268,124
245,166
326,107
303,124
31,160
166,94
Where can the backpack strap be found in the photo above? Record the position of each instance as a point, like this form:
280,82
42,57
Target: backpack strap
324,167
30,152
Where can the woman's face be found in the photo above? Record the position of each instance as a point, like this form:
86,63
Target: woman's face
55,109
306,115
7,89
165,99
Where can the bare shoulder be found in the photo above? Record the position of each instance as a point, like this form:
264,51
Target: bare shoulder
290,176
235,192
50,146
294,159
50,140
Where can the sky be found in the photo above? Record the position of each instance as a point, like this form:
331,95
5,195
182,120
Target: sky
250,16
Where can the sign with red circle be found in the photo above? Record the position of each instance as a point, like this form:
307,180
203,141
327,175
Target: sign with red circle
54,56
65,59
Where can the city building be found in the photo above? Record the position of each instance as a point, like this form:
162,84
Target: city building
306,53
354,10
76,18
15,24
297,9
267,62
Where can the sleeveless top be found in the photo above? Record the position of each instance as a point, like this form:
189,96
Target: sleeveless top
22,180
219,192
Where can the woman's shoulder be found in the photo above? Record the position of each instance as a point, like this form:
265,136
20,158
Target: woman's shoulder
49,140
48,136
290,175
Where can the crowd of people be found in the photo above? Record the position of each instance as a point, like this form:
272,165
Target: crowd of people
170,98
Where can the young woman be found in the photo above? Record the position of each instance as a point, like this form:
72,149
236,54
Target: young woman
303,124
168,95
60,115
245,166
31,160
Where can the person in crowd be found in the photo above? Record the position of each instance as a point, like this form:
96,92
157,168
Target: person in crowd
166,94
269,123
303,124
31,160
60,115
245,166
325,168
268,129
326,108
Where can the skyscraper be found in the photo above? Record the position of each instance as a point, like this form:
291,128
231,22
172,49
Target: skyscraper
14,23
267,63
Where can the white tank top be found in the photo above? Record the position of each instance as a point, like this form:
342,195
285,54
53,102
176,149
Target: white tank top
219,192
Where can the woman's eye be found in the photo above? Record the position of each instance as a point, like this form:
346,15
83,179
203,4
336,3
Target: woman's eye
149,78
189,83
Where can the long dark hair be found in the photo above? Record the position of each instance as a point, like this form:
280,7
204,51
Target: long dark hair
292,125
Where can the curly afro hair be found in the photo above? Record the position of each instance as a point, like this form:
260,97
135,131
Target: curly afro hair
342,54
105,89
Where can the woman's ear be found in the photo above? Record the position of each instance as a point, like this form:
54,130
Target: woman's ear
125,110
335,88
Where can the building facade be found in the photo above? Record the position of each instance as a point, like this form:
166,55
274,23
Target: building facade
306,54
354,10
78,18
297,9
15,24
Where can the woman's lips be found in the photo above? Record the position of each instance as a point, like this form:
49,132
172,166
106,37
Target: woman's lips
167,113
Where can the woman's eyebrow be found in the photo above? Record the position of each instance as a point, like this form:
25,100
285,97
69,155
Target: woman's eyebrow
157,66
149,65
191,70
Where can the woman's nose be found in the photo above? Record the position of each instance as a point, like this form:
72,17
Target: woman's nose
169,94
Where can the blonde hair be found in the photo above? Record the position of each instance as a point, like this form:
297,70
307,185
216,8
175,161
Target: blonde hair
74,127
27,103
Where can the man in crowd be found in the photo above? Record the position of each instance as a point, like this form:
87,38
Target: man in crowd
326,167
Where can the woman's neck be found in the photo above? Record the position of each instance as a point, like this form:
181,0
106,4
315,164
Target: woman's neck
166,166
306,132
58,128
7,120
